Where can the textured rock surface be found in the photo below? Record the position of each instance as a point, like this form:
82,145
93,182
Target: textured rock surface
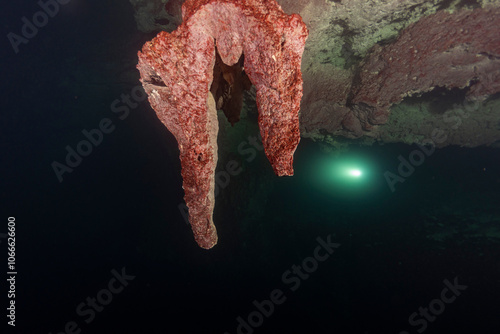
156,15
460,50
338,55
348,34
177,72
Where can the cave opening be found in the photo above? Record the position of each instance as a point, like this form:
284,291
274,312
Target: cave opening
440,98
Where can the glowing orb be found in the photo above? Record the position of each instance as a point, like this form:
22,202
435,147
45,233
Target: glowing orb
355,172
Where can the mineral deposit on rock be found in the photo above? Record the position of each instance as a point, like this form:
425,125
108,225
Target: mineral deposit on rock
177,73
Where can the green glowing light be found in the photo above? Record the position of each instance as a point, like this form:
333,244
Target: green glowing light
355,172
347,175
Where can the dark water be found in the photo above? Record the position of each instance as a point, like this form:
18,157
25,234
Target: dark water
116,214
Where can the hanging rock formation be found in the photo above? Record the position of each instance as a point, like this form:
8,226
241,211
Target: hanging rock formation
349,39
177,72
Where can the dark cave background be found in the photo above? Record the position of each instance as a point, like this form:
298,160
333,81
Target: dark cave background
119,209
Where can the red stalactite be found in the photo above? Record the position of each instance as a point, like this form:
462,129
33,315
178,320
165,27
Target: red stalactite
177,71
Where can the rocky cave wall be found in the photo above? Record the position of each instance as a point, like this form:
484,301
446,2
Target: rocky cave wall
389,71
